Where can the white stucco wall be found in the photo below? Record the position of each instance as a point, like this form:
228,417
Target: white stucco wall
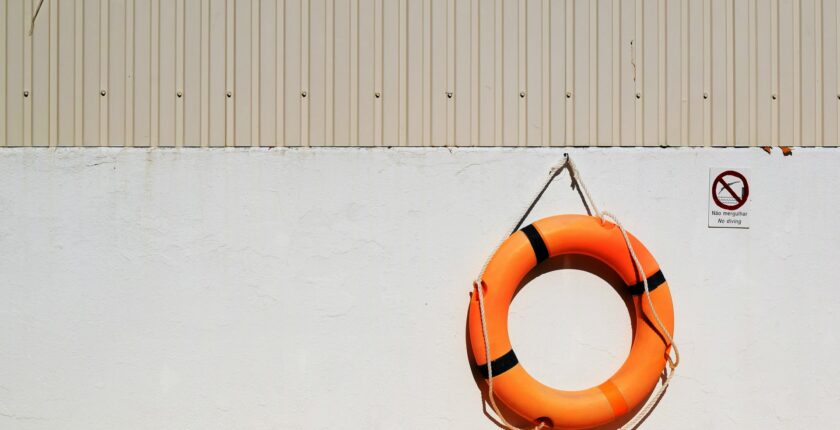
314,289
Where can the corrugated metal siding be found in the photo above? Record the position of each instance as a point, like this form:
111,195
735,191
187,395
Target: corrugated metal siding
420,73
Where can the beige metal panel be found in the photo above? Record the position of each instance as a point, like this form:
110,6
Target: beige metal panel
559,90
536,88
317,72
484,25
141,132
39,77
673,73
167,74
341,82
650,57
242,65
810,114
16,37
739,82
510,83
437,65
420,73
391,77
294,99
217,91
268,75
720,69
117,73
830,89
366,69
3,60
192,95
629,74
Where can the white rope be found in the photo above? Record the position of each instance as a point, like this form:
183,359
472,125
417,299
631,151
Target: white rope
672,363
479,287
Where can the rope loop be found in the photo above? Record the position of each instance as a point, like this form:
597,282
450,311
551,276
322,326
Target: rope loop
479,285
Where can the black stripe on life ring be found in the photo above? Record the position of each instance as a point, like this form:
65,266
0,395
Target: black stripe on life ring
537,242
500,365
654,281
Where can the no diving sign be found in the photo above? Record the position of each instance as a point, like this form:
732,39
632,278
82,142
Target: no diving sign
729,198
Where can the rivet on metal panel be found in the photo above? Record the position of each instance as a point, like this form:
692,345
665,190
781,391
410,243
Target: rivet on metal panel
522,94
638,96
103,93
26,93
568,94
377,94
773,96
229,94
180,94
705,96
449,94
303,94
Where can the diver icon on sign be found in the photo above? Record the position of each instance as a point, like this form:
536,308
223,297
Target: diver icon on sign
730,190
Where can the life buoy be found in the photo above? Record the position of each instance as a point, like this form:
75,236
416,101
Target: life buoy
637,377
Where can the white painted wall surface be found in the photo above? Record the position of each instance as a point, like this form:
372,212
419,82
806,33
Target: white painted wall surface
315,289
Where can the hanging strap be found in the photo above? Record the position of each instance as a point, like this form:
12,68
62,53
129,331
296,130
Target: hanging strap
479,287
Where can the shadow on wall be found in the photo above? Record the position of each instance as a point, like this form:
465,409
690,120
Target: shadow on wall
579,262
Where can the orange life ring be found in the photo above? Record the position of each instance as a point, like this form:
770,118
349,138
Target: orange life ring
637,377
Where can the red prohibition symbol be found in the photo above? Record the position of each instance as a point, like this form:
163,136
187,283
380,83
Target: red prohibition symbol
730,195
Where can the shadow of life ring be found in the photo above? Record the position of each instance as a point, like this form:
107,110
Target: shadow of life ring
519,391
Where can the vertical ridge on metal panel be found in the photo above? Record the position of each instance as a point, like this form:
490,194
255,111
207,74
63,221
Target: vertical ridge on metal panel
462,87
774,67
753,74
180,21
154,74
475,74
498,73
707,72
354,74
280,73
190,95
204,80
141,60
593,73
662,73
40,89
4,61
570,73
449,101
329,74
402,71
255,74
796,19
685,72
545,121
638,49
216,86
616,73
315,74
27,77
818,74
378,51
522,73
837,70
52,84
437,64
103,72
128,132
